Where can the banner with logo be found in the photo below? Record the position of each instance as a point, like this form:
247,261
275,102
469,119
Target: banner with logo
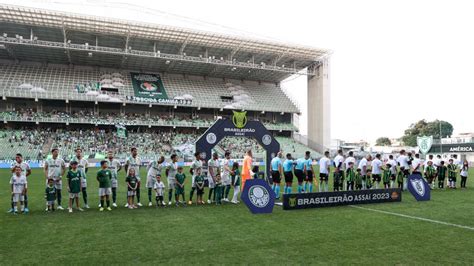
148,86
339,198
258,196
238,126
453,148
418,187
424,143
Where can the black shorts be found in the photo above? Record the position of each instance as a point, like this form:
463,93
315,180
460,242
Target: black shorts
200,191
338,177
406,172
276,177
159,198
392,177
452,179
299,175
288,177
323,177
376,178
309,176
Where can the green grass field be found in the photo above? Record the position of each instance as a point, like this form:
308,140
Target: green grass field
230,234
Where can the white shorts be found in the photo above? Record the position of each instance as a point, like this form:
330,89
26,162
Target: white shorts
50,202
114,183
84,183
131,193
210,180
18,197
58,183
105,191
171,183
226,181
150,181
73,195
192,182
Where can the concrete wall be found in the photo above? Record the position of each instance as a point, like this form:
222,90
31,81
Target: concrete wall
319,124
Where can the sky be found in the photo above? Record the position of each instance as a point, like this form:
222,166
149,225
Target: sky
393,62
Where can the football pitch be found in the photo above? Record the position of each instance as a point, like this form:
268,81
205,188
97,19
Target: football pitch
440,231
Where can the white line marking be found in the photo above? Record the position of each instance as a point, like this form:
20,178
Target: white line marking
415,218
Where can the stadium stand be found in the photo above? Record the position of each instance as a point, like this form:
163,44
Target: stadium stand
77,83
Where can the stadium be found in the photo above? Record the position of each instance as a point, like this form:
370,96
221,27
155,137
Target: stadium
105,86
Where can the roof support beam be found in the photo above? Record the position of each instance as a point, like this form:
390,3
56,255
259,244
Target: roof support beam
66,45
235,50
183,46
124,57
279,57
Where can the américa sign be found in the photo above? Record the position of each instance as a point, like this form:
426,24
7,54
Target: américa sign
148,86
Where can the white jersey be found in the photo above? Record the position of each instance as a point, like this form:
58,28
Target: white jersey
416,165
19,183
349,160
134,163
464,170
214,165
225,173
159,188
172,170
393,166
437,162
324,165
24,167
154,169
113,165
403,161
363,163
376,167
55,167
196,165
82,164
339,159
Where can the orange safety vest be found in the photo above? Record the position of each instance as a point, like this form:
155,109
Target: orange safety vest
246,167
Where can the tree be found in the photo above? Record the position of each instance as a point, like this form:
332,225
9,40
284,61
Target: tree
383,141
423,128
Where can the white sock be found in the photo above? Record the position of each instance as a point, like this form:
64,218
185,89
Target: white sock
326,187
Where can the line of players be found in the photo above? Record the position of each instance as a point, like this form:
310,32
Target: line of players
369,173
221,177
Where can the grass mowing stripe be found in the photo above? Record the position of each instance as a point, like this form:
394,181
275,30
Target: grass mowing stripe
414,217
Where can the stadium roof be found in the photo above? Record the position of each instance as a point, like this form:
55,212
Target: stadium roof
57,37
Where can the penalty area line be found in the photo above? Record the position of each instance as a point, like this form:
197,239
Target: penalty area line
415,217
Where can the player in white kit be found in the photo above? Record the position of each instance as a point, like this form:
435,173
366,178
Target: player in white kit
154,169
82,167
114,166
54,168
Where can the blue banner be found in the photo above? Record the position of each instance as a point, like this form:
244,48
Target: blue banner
418,187
258,196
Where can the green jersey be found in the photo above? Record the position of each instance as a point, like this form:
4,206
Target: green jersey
369,181
132,180
81,166
430,171
400,176
74,181
358,179
442,172
350,174
386,175
236,178
199,180
104,176
50,193
452,170
180,177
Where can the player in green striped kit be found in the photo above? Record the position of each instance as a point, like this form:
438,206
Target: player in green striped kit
350,175
386,174
54,168
82,166
114,166
430,174
452,174
133,161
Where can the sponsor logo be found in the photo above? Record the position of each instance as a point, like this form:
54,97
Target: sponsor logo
424,143
259,196
460,149
266,139
211,138
292,201
239,119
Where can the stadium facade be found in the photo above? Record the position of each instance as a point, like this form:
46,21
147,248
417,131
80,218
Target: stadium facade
62,69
